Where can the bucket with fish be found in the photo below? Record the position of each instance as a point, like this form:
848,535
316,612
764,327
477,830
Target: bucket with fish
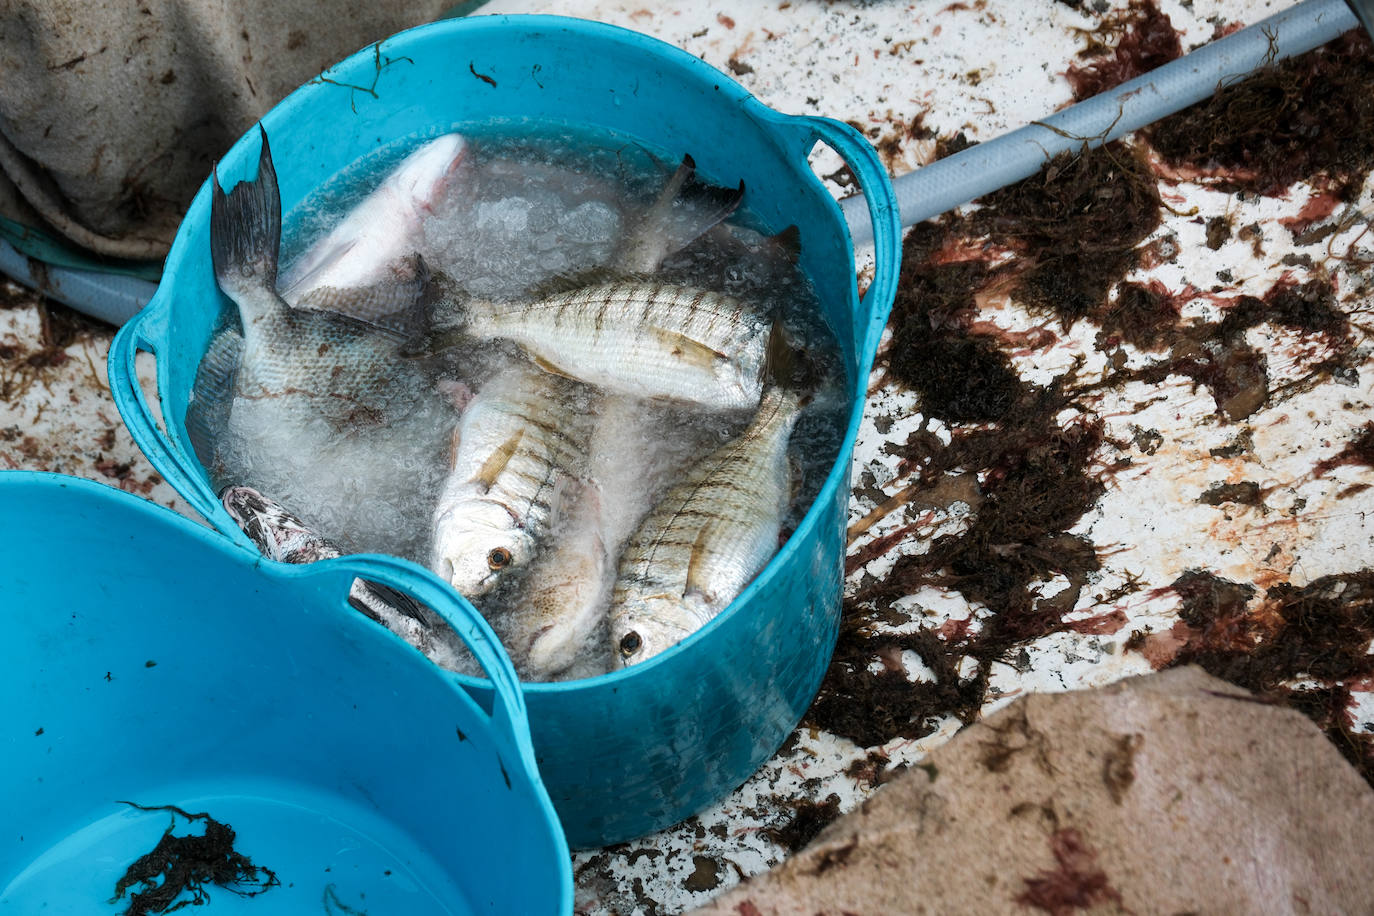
621,440
186,724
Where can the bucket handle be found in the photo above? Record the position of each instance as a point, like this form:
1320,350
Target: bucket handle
876,303
145,331
508,712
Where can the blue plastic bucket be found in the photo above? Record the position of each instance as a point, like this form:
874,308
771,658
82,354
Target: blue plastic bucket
145,659
631,752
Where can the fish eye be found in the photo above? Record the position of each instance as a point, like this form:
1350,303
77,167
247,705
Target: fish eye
499,558
629,644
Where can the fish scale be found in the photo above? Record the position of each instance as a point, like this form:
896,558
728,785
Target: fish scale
707,538
641,338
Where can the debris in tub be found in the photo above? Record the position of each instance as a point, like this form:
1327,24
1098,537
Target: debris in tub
177,871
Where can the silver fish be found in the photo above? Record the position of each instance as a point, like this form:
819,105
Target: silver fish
283,537
367,265
707,538
519,445
634,455
312,364
564,598
640,338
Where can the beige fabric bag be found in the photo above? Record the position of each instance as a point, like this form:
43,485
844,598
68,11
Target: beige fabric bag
113,111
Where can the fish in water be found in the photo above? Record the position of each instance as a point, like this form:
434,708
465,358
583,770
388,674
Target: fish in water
564,597
367,265
283,537
306,364
640,338
636,451
519,446
707,538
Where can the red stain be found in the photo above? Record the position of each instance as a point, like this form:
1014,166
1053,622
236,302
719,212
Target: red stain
1318,207
1076,884
747,908
1149,40
1101,624
952,630
725,20
1160,649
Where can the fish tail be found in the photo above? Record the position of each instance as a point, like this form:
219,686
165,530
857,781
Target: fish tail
245,230
684,210
702,205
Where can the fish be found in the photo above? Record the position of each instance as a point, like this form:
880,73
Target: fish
707,538
282,536
517,451
684,209
565,596
634,454
369,264
309,364
641,338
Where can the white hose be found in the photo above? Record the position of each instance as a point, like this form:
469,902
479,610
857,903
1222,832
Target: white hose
982,169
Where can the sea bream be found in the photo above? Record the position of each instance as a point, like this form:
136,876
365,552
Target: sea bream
283,537
707,538
636,451
521,442
640,338
308,364
367,265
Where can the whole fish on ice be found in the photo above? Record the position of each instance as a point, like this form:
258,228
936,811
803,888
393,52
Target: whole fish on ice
366,268
283,537
707,538
521,442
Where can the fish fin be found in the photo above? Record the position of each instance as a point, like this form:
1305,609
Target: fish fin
780,357
400,601
212,393
684,210
453,442
690,351
786,243
437,341
245,230
571,282
696,580
550,368
572,496
789,365
497,461
395,304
